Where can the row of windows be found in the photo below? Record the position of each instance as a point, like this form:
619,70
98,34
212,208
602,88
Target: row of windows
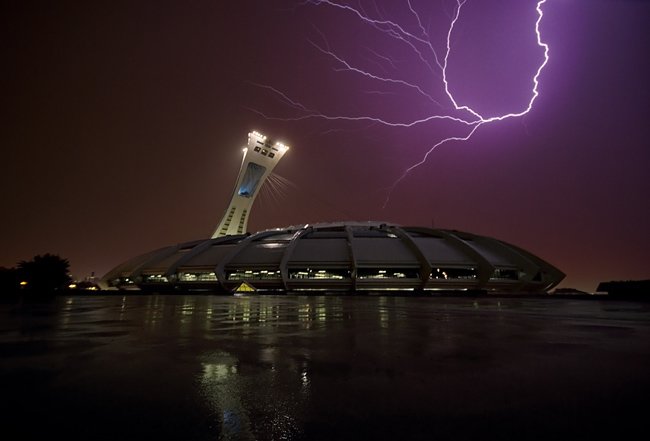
252,275
155,278
265,152
197,277
505,274
332,274
454,273
240,228
123,281
394,273
323,274
226,224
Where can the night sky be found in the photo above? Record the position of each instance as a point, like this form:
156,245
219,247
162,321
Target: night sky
123,123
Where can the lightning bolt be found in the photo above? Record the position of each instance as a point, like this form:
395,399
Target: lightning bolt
462,114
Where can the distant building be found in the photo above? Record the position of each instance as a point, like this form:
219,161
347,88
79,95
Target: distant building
628,289
341,256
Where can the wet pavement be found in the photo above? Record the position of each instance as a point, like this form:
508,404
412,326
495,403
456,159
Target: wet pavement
323,368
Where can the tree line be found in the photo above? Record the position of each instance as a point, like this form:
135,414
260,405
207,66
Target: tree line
44,274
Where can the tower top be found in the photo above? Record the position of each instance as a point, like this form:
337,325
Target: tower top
261,155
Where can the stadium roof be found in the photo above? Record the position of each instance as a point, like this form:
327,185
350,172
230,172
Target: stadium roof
342,256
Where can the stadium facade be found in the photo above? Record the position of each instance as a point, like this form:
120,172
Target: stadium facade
331,257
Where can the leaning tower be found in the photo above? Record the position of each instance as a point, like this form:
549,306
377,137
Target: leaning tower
260,158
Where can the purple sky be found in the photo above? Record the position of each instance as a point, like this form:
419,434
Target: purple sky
123,121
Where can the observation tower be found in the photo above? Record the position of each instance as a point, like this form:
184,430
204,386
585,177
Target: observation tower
345,256
260,158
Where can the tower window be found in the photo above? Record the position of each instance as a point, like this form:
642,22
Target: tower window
251,180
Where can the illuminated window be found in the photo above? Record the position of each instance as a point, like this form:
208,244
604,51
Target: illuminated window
122,281
155,278
454,273
198,277
319,274
388,273
251,180
505,274
243,274
226,224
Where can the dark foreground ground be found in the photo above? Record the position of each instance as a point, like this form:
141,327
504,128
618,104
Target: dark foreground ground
324,368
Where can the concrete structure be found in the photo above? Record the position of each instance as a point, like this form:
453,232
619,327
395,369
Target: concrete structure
260,158
343,256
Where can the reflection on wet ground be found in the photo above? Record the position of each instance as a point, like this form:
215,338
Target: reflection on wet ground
293,368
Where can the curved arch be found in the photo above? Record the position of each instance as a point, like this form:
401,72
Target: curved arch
203,246
349,237
220,269
288,251
528,267
425,265
137,271
485,268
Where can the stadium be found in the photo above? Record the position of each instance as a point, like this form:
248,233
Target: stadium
330,257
